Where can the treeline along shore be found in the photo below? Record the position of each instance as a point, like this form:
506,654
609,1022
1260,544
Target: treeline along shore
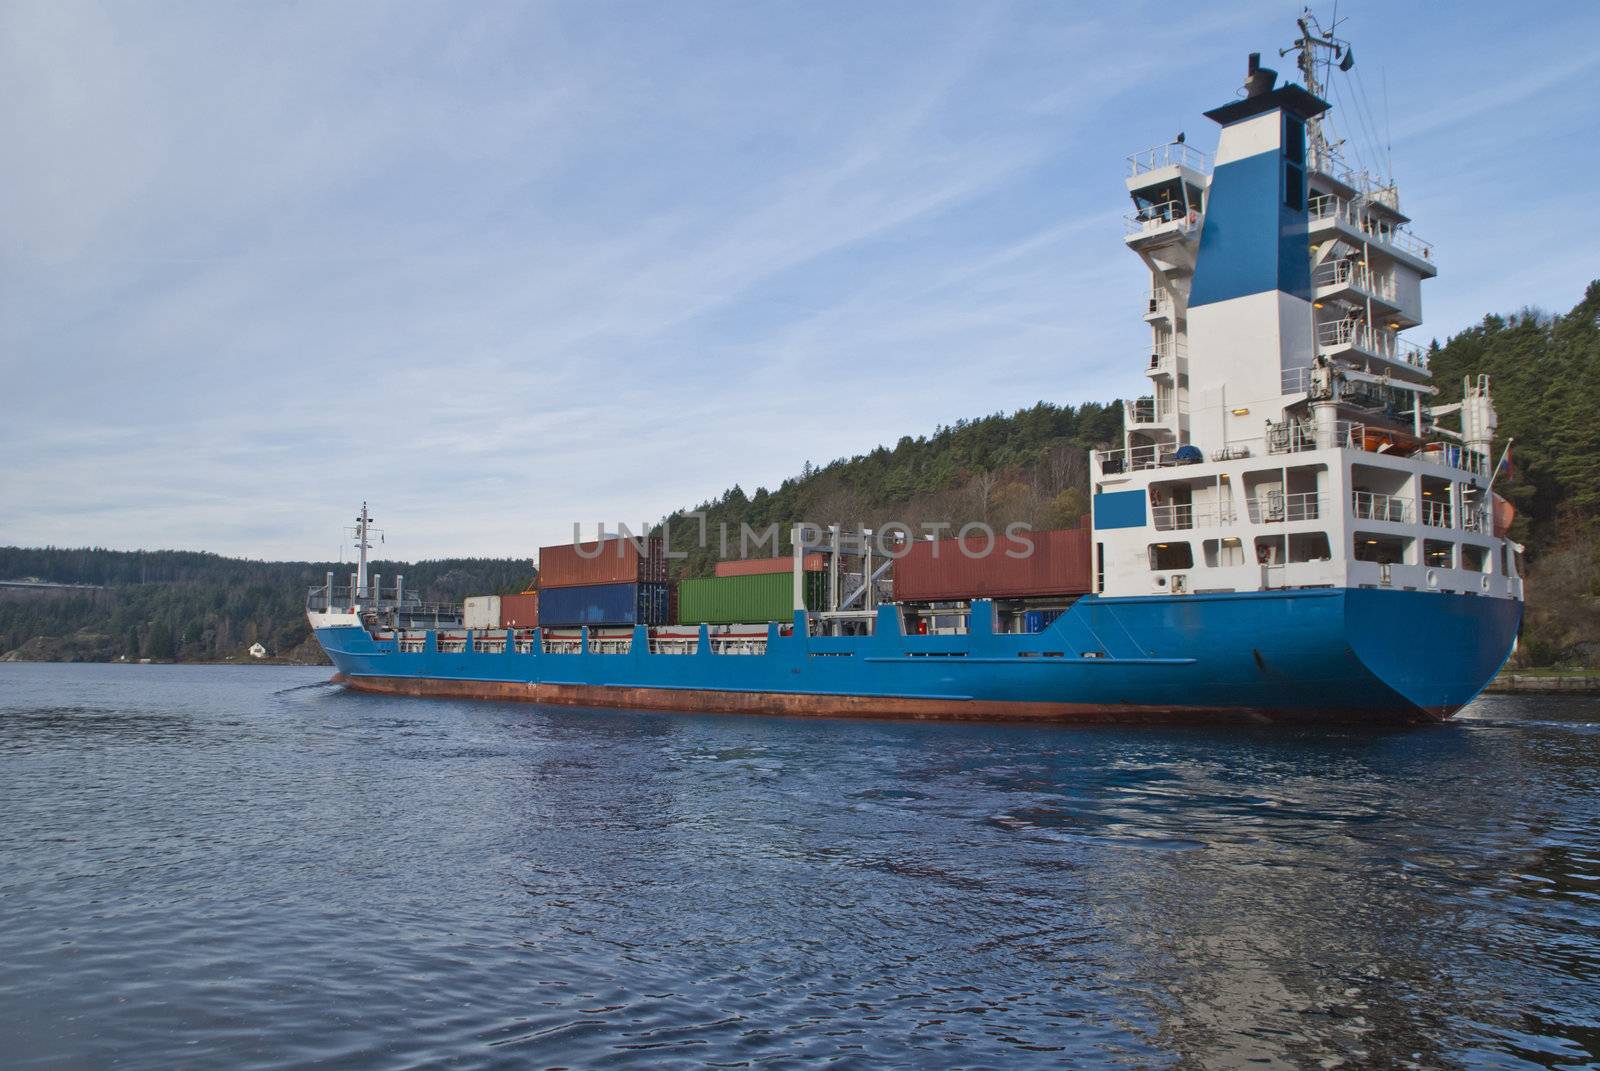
1029,466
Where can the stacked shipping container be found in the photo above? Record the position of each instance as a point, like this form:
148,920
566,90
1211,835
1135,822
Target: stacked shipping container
752,566
613,561
605,605
746,600
612,582
1037,563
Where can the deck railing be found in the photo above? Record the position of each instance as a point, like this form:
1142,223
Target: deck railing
1376,506
1291,437
1351,214
1456,457
1437,514
1116,462
1296,380
1275,506
1181,517
1172,154
1337,335
1349,273
1168,214
1147,410
1165,354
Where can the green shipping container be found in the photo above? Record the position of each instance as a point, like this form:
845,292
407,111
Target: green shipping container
745,600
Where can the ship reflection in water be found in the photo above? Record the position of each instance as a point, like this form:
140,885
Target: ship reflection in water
241,867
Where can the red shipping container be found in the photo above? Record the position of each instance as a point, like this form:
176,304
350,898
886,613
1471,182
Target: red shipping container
520,611
757,566
1059,563
616,561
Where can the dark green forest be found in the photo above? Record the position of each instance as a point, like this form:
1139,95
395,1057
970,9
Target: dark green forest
187,606
1030,465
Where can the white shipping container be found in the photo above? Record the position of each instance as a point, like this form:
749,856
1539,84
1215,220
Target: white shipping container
482,611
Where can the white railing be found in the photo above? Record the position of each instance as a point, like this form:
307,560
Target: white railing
1276,506
1477,519
1140,458
1147,410
1357,276
1375,506
1176,518
1296,380
1160,303
1328,207
1172,154
1338,335
1163,353
1455,457
1173,215
1436,514
1330,163
1292,437
739,645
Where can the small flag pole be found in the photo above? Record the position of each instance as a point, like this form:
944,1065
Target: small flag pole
1501,464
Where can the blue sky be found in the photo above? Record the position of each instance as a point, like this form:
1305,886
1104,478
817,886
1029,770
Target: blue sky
501,267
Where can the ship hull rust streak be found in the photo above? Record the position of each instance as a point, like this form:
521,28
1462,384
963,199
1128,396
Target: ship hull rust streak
867,708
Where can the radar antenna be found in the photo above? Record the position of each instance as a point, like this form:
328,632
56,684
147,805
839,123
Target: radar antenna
1318,47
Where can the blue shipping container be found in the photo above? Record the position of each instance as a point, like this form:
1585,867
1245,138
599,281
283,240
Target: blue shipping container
605,604
1039,620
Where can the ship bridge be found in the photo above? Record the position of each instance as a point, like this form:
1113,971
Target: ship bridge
1290,437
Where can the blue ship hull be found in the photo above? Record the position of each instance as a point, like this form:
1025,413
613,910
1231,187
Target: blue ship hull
1365,653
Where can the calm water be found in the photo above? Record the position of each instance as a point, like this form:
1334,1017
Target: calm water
243,867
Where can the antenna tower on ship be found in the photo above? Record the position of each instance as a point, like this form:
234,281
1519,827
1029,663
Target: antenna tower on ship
363,531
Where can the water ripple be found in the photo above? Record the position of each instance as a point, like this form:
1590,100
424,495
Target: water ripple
244,867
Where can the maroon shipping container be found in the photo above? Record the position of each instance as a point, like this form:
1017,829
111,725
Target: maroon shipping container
520,611
756,566
615,561
1058,565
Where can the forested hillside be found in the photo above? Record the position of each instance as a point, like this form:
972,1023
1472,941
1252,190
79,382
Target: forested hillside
1029,466
1546,377
191,607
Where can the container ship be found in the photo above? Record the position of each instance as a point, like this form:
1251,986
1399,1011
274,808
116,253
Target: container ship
1292,526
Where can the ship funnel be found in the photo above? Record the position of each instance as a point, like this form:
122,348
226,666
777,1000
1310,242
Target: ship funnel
1258,79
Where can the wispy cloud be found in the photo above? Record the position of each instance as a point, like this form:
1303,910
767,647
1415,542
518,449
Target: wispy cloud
500,268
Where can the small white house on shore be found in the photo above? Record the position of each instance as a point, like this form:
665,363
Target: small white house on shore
257,651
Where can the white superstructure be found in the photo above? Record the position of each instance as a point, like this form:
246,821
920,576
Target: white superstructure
1290,438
